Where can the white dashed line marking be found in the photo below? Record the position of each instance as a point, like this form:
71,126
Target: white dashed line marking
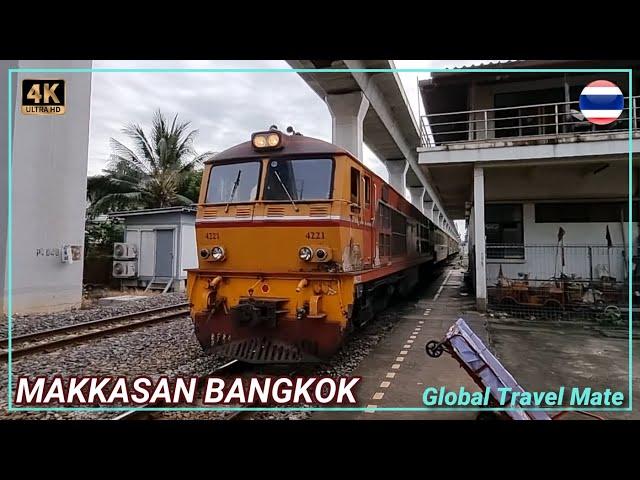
399,359
378,396
409,341
395,366
412,337
406,346
385,384
391,374
403,352
371,408
421,322
442,286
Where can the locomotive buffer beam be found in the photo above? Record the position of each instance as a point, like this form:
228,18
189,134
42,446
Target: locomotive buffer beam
255,312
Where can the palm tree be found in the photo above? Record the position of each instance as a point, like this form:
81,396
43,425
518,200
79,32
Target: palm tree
159,171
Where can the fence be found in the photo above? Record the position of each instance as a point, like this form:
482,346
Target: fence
559,282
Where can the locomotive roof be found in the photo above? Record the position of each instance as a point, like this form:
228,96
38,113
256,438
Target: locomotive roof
293,145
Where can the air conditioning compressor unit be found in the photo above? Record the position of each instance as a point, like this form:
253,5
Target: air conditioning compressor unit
124,251
124,269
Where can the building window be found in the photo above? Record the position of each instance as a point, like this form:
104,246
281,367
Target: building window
608,212
504,231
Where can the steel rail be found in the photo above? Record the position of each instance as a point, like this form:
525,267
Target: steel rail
78,327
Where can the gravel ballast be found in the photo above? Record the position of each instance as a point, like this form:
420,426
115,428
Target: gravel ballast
167,348
23,324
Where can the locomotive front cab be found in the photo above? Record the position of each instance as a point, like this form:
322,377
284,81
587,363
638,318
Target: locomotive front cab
271,235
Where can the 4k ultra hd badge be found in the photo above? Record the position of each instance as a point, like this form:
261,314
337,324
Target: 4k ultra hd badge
43,97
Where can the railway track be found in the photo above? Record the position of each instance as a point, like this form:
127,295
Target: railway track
58,337
144,412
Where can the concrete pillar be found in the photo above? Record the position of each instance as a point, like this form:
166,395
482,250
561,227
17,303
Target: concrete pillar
427,208
5,65
479,237
398,174
49,179
417,194
347,114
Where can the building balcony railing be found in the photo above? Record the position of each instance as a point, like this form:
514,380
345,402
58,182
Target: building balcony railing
527,121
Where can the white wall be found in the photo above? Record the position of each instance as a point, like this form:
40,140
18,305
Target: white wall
540,252
49,193
4,66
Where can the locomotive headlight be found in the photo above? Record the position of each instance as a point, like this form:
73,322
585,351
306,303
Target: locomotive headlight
260,141
217,253
305,253
273,140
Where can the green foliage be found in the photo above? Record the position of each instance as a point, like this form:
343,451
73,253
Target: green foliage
161,170
99,236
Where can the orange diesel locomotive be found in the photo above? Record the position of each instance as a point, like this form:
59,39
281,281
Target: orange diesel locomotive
298,244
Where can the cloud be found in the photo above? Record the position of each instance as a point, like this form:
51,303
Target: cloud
224,107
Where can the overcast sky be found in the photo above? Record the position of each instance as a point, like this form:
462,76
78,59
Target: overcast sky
224,107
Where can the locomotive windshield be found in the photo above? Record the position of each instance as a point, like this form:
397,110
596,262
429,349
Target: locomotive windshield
234,183
303,179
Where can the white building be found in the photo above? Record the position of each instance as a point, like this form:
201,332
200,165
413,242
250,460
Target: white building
164,241
511,154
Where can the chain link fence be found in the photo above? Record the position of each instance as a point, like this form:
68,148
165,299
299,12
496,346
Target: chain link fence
559,282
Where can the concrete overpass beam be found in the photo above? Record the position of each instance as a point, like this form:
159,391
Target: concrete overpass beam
347,114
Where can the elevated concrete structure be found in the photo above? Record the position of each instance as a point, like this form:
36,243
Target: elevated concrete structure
49,191
4,66
372,108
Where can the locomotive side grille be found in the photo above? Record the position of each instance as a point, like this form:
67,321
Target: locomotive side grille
319,211
209,212
275,211
243,212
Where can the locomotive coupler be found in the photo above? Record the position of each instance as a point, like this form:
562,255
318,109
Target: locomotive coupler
252,312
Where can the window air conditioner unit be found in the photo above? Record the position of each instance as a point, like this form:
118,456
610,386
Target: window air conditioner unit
123,251
124,269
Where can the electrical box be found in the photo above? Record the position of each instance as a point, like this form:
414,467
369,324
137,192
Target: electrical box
124,269
70,253
124,251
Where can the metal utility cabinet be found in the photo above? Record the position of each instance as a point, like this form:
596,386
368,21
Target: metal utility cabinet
159,244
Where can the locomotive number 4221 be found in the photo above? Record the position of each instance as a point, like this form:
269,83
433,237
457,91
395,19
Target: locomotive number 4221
315,235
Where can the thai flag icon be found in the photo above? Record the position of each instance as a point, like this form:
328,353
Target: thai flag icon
601,102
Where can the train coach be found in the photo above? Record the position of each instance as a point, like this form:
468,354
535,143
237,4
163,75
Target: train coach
299,243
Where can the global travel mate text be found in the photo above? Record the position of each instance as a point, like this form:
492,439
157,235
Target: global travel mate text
507,397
